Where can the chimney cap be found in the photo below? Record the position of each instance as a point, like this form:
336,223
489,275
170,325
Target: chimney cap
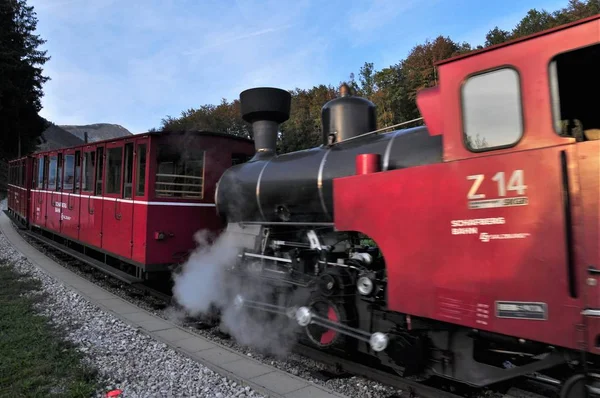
265,103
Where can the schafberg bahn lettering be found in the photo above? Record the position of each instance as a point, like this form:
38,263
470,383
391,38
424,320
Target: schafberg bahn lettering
469,226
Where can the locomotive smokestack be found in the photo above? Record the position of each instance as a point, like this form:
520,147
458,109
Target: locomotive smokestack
266,108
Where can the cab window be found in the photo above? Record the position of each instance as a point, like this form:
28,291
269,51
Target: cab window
492,112
574,81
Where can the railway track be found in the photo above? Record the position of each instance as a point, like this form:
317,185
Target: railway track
338,367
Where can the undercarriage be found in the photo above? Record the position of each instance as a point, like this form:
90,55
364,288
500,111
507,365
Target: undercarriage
328,290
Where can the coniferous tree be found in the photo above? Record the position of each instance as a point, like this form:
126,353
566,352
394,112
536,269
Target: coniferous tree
21,78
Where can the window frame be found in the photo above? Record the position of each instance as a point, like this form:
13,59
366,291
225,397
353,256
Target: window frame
52,187
136,175
119,184
124,167
553,115
201,197
77,172
523,131
92,185
100,151
65,170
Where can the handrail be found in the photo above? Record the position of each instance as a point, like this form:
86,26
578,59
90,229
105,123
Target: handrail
180,176
199,193
379,130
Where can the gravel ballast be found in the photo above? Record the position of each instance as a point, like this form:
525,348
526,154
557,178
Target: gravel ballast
294,364
125,358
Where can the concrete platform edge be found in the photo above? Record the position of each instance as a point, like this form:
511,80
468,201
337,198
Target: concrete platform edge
26,250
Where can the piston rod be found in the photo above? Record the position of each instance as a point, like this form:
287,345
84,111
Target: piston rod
241,302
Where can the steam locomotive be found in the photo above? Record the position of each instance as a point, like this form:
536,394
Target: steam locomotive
428,249
465,249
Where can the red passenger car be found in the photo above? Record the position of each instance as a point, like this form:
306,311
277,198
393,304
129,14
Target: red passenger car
19,183
136,202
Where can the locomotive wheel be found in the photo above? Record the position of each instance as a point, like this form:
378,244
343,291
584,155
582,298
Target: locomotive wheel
329,309
576,386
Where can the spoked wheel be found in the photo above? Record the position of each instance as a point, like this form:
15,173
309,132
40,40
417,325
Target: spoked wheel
320,336
581,386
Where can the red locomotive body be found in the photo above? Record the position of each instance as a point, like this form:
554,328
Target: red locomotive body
122,201
498,238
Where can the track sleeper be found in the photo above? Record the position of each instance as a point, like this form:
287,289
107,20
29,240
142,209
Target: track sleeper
326,375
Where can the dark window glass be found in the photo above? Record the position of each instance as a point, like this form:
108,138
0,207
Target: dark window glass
69,173
99,166
59,172
128,180
114,162
89,160
180,177
572,76
77,171
140,177
52,173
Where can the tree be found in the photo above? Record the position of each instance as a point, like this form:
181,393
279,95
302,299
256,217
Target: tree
496,36
303,129
21,78
535,21
223,118
367,79
419,71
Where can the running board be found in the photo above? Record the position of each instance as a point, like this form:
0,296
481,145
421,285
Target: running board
107,269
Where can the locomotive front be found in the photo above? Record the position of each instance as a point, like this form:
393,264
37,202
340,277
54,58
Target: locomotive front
298,186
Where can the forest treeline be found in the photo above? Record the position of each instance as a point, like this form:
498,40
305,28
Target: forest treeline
392,89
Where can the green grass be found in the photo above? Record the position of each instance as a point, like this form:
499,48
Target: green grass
35,361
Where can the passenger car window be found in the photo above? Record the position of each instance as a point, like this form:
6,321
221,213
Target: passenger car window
128,177
492,114
52,173
114,162
179,177
140,177
69,172
99,166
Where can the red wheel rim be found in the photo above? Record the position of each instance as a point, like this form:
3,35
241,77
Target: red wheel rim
329,335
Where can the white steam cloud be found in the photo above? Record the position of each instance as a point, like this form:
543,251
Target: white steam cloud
204,284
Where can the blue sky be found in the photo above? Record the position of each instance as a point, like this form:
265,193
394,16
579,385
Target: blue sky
133,62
